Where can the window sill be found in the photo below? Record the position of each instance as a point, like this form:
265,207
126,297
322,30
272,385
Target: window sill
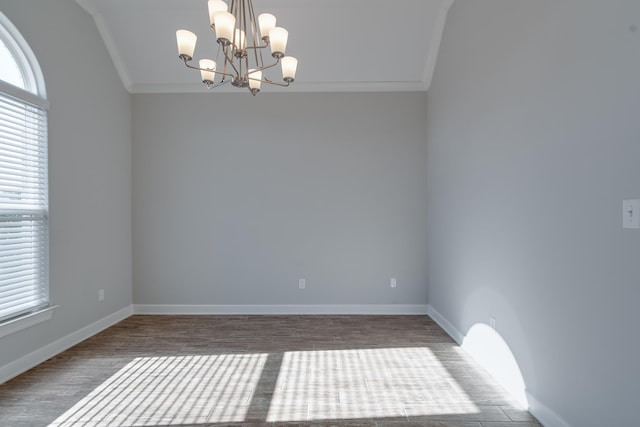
14,325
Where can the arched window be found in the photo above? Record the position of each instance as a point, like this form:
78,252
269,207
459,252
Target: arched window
24,196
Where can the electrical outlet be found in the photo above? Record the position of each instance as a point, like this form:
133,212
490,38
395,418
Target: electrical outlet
631,213
393,282
101,295
302,283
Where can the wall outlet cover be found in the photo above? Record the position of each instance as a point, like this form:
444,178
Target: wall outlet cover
631,213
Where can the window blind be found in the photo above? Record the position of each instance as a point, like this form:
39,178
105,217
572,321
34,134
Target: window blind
24,219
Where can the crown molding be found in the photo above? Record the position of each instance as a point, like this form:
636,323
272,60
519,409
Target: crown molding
434,46
297,87
90,7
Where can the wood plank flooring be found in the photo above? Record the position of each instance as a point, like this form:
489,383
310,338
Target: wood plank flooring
199,371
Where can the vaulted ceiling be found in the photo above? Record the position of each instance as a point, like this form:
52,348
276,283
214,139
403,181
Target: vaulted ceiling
341,45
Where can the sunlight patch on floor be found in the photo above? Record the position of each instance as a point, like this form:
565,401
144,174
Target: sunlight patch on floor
152,391
291,386
365,383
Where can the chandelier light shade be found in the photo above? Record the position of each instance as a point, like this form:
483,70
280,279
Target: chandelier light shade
255,79
278,37
289,67
216,6
241,40
186,43
207,70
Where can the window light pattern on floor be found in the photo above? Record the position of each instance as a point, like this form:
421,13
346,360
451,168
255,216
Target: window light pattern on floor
153,391
365,384
385,383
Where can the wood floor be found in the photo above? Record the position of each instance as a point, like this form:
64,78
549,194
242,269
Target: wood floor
198,371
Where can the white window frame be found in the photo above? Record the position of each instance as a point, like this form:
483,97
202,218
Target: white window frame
32,97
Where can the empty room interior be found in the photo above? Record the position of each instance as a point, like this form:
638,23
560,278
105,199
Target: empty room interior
432,221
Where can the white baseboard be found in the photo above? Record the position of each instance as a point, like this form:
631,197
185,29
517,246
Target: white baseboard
445,324
38,356
546,416
542,412
373,309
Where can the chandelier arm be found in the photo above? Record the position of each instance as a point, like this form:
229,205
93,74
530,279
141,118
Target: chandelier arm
271,82
254,31
266,67
220,83
230,62
252,23
224,64
266,45
243,24
193,67
241,27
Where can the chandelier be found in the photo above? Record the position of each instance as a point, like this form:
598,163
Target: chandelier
241,42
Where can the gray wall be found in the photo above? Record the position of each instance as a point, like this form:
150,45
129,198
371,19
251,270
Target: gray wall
89,171
236,198
533,143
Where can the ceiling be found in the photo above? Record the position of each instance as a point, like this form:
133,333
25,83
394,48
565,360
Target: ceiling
341,45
